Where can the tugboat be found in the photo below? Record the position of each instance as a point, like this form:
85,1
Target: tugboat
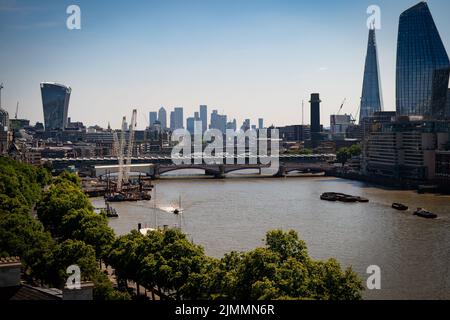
399,206
420,212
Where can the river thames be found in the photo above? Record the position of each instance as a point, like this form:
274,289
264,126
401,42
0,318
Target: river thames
234,214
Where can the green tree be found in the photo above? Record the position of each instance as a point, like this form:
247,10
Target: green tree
342,156
23,236
87,226
57,201
19,181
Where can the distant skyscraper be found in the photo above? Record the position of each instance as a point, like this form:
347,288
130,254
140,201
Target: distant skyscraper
232,125
172,120
315,112
162,117
55,101
245,125
190,125
260,123
423,65
153,117
218,121
371,98
178,118
204,117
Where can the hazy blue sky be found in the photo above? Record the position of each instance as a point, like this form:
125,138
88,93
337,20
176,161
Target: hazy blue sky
246,58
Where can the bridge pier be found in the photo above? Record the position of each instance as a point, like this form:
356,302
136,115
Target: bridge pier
221,173
281,172
156,175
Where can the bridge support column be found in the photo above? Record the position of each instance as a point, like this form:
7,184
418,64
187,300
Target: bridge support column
281,172
221,173
155,175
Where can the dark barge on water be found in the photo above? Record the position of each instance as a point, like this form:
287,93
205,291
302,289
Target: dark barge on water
342,197
399,206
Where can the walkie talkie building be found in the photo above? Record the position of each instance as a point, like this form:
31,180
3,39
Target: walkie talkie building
423,65
55,100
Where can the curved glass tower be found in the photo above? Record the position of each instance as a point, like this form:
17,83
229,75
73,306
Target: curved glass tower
55,100
423,66
371,100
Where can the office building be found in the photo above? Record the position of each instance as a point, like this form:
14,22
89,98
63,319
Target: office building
245,125
162,118
4,119
339,125
232,125
152,118
218,121
178,118
405,149
423,65
294,133
371,98
172,120
260,123
55,102
190,125
204,117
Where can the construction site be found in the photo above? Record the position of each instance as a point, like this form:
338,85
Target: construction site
121,184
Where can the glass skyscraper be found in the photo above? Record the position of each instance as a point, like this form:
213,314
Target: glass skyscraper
204,117
371,100
55,101
423,66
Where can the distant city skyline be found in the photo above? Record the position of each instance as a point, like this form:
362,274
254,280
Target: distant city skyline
243,58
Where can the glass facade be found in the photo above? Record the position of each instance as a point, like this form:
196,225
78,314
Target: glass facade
422,65
55,101
448,104
371,100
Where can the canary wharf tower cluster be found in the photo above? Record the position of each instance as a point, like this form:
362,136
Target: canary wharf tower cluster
422,72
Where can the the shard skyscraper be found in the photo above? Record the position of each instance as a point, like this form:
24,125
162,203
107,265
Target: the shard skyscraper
371,99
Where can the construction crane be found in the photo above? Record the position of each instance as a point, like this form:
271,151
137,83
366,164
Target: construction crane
120,147
342,105
130,144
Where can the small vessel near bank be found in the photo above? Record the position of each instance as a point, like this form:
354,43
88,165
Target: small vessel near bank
420,212
342,197
111,212
399,206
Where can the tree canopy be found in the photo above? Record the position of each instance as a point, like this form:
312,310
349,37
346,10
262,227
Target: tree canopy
280,270
345,154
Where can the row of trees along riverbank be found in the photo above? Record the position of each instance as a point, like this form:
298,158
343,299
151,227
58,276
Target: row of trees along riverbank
66,231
